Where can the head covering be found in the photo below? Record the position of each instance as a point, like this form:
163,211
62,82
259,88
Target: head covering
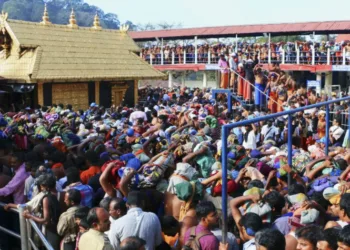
130,132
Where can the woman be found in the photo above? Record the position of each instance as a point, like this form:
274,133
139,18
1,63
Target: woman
249,137
47,212
224,67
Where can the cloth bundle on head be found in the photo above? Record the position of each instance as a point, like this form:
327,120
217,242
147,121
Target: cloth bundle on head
58,143
254,191
3,122
40,131
254,174
139,153
184,191
82,132
309,216
261,209
70,139
205,161
211,121
184,173
297,198
333,195
279,162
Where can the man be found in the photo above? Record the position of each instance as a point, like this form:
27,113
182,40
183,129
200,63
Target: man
336,133
259,85
308,237
134,243
328,240
66,226
73,180
344,239
117,208
16,185
269,132
137,114
94,239
92,161
136,223
270,239
233,68
208,219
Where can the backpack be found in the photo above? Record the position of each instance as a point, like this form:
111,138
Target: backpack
193,242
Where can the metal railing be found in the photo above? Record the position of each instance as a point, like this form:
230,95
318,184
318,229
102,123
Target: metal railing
25,230
282,56
225,130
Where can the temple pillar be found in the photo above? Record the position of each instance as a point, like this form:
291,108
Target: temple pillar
136,91
41,93
183,80
170,80
97,93
205,79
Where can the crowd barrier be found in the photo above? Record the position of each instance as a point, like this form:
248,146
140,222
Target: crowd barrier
228,127
26,227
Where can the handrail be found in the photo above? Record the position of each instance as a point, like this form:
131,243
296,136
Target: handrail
26,241
225,132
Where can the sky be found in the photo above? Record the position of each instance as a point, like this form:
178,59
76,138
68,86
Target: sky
203,13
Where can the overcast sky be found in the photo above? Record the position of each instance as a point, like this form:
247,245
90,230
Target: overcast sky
201,13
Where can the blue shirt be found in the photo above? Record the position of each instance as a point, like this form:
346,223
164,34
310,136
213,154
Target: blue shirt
86,193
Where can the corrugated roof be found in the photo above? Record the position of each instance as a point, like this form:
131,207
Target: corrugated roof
329,27
62,53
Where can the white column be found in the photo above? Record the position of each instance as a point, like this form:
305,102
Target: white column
162,53
170,80
184,56
344,61
209,57
173,57
283,56
195,50
298,56
151,59
313,56
318,77
328,56
183,79
205,80
269,58
329,80
236,48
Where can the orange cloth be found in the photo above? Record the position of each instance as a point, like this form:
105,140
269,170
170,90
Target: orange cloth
272,102
240,87
57,165
280,105
87,174
224,80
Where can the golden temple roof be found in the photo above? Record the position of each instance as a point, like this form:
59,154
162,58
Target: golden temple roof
58,53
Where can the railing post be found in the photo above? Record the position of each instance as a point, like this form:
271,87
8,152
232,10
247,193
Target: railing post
209,57
259,56
298,56
327,128
348,138
229,104
23,227
195,50
173,57
184,60
344,61
151,59
269,58
290,146
328,56
162,53
224,183
283,56
313,56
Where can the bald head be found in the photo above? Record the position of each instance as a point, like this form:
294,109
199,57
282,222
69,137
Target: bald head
98,219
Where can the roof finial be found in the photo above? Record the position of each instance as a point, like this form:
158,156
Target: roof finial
46,19
72,21
124,28
97,25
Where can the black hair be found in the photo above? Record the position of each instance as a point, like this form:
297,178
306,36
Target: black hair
92,217
271,239
345,203
132,243
83,223
251,222
92,157
318,197
310,233
73,175
331,235
74,195
47,180
135,199
342,164
296,189
104,203
204,208
169,222
275,200
344,235
255,183
57,156
119,204
81,213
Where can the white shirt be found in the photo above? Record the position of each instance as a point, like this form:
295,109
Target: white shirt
136,223
251,141
269,132
27,184
137,115
336,131
249,245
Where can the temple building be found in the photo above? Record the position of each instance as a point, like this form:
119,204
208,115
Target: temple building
43,63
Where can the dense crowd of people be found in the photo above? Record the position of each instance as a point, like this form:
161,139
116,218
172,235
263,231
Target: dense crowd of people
149,176
211,53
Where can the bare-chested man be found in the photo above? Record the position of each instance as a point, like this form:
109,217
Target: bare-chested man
259,85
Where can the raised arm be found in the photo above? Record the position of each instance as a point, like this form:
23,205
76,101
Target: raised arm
104,180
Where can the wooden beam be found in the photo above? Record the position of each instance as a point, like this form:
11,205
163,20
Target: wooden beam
97,93
136,91
41,93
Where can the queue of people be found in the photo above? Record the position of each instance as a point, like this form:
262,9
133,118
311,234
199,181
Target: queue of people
210,53
149,176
